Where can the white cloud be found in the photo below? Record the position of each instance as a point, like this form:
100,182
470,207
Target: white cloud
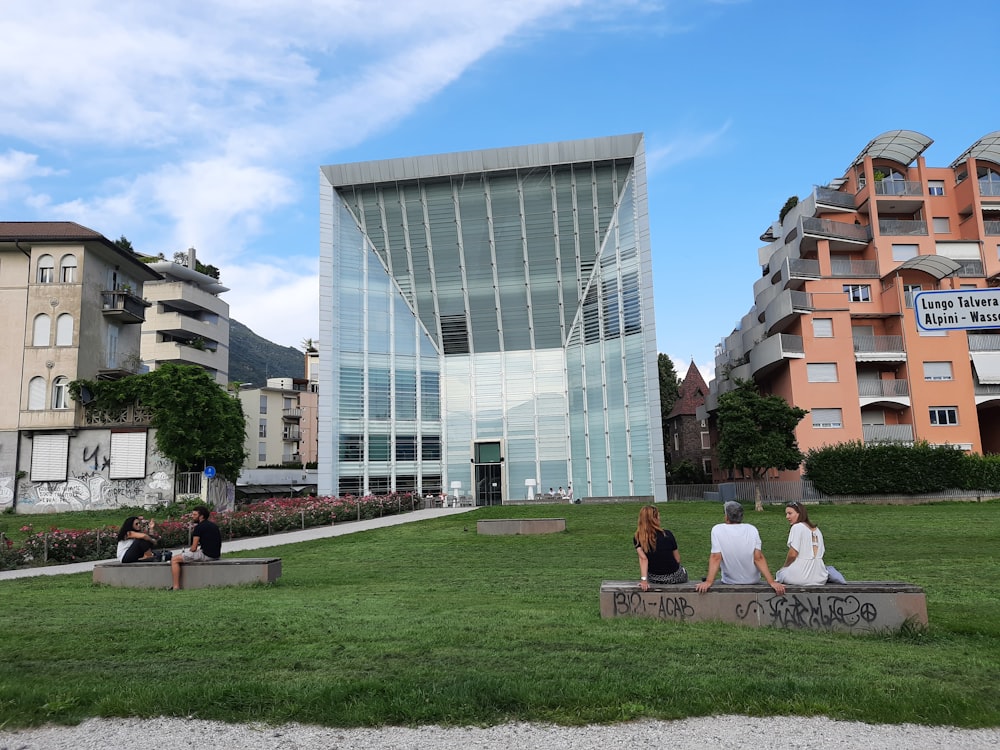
278,302
685,148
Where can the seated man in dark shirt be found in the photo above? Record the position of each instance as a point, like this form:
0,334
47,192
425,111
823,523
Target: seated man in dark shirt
206,544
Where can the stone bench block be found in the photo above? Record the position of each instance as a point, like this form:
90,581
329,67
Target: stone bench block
856,607
195,575
499,526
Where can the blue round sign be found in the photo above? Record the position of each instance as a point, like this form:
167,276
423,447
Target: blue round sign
209,471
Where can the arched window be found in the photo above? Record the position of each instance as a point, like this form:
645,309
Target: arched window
64,330
36,393
67,269
60,393
46,269
41,330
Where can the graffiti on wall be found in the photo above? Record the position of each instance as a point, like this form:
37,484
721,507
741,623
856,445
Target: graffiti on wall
6,490
88,486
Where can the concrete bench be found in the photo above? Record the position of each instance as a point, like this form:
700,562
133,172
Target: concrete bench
856,606
194,575
499,526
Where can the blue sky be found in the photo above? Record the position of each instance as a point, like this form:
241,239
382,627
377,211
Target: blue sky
204,124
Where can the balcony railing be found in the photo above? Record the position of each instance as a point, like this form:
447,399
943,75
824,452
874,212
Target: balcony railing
124,306
987,389
878,344
292,413
854,269
991,227
970,268
884,388
837,230
991,189
836,198
902,227
898,187
292,434
984,342
802,268
888,433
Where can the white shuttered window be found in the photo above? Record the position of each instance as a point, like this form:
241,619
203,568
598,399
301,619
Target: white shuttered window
827,418
128,455
49,457
822,372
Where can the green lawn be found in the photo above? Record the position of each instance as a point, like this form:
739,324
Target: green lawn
430,623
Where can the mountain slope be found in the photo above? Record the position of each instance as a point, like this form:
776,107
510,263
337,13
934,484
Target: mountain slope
253,359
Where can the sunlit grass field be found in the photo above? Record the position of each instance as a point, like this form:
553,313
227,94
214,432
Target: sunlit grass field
431,623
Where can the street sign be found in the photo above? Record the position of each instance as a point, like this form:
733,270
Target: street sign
209,471
959,309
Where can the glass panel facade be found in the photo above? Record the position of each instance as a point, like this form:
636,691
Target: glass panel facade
492,297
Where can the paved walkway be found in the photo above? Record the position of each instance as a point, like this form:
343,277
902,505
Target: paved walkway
262,542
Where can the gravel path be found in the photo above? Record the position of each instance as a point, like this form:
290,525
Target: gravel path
720,733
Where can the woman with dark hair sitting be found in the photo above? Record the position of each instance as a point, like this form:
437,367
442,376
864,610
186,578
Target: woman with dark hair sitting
804,564
135,542
659,558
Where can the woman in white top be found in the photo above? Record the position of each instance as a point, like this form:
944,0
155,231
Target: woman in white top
804,565
135,542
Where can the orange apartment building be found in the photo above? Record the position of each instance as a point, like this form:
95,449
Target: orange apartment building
832,328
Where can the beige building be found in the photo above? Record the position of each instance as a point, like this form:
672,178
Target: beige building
281,423
187,322
72,306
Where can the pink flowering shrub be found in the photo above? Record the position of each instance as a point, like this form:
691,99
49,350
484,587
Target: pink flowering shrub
258,519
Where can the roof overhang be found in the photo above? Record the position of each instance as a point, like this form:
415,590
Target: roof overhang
901,146
986,148
937,266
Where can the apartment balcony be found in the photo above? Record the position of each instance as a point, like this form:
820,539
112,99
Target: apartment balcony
123,307
888,433
992,227
984,342
879,349
989,189
775,349
797,271
898,187
291,434
845,268
834,198
970,269
785,308
175,351
902,227
891,393
840,231
291,458
291,414
184,296
184,326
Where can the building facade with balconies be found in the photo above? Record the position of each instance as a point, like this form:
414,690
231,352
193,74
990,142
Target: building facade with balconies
72,304
487,324
281,423
187,322
833,330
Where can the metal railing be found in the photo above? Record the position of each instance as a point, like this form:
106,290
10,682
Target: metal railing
902,227
991,227
878,343
879,388
888,433
991,189
834,198
898,187
854,269
969,268
984,342
836,229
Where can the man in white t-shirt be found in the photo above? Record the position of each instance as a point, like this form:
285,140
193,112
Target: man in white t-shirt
736,549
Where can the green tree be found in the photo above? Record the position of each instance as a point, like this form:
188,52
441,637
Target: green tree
197,422
757,432
669,391
124,244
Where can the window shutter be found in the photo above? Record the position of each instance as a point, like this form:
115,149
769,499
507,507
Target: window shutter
49,457
128,455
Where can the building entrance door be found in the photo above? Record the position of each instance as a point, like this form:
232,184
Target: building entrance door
488,473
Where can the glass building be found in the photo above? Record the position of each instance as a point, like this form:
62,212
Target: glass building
487,324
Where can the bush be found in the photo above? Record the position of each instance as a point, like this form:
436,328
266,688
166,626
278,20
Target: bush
856,468
259,519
